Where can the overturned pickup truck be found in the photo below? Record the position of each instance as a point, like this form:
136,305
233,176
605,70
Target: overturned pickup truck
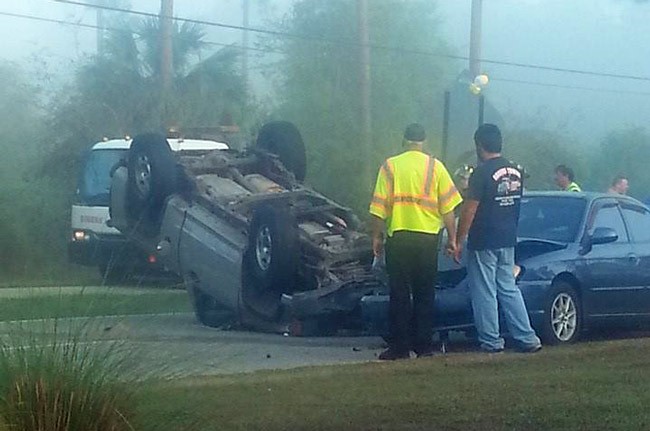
252,243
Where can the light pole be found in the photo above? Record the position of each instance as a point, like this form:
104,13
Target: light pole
100,32
245,38
166,48
475,53
474,79
364,84
475,39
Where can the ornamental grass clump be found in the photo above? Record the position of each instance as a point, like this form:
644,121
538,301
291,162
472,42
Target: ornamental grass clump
63,383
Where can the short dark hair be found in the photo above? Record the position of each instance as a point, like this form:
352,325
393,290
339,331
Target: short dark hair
618,178
415,133
566,171
488,137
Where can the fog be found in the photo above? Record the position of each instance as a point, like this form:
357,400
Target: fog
603,36
575,90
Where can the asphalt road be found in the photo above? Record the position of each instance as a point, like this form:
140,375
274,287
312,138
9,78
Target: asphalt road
175,345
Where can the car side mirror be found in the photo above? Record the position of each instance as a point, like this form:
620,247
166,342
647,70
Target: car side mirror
603,235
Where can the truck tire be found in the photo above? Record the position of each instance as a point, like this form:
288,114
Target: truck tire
207,310
283,139
271,260
152,177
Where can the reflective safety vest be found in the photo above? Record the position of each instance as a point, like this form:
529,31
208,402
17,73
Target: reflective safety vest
412,193
573,187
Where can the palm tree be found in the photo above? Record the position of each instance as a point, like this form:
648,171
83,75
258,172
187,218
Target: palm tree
120,89
118,93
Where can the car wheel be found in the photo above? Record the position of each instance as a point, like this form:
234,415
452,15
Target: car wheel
563,320
283,139
271,260
207,309
152,175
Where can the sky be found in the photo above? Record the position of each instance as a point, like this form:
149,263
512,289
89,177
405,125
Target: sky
609,36
606,36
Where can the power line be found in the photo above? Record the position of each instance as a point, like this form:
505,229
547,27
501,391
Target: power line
571,87
269,50
114,29
51,20
348,42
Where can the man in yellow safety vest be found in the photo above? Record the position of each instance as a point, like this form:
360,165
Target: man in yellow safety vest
565,179
414,199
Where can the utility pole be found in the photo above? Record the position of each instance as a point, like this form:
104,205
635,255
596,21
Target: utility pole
475,39
364,85
475,52
100,32
245,39
166,57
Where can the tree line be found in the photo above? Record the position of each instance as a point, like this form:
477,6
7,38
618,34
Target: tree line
315,84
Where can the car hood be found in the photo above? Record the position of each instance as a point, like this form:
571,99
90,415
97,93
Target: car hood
531,247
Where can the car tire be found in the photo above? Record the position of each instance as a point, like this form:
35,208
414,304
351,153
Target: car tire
152,177
271,260
208,311
563,315
283,139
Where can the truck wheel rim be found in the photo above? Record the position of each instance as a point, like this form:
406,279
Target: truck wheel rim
564,317
143,175
263,248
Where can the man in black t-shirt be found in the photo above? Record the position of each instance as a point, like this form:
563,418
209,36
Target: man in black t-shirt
490,214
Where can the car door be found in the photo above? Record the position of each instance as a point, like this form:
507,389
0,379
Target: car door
611,288
637,219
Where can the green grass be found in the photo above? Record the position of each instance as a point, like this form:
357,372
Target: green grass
92,304
590,386
55,377
62,383
52,274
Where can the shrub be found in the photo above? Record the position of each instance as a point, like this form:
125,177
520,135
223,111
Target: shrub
63,383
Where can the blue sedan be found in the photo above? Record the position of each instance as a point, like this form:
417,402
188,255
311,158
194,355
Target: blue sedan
583,262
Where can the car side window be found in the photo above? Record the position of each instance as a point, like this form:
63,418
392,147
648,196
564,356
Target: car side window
610,216
638,222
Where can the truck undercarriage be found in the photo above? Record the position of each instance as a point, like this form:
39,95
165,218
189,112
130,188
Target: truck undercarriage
250,240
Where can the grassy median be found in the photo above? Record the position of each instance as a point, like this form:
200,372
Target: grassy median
589,386
43,306
55,376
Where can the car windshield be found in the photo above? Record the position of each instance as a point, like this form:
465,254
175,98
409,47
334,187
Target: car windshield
95,180
550,218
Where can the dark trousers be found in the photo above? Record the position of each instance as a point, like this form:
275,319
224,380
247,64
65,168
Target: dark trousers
412,264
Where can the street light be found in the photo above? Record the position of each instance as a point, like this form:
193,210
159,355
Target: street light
476,86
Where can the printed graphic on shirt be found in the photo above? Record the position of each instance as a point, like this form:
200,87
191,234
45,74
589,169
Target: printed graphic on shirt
508,189
497,185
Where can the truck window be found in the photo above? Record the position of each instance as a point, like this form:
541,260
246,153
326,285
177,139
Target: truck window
95,179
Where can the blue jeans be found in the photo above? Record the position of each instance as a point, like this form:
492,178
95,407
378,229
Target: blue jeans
492,284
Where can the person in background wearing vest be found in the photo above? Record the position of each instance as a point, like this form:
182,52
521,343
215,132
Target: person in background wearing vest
461,178
565,179
620,185
414,199
490,215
